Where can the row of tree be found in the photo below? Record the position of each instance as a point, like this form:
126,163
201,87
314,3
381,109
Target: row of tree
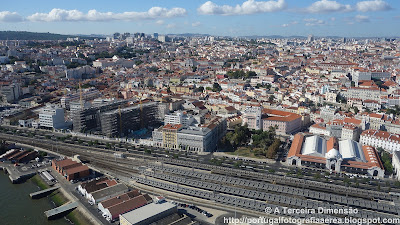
240,74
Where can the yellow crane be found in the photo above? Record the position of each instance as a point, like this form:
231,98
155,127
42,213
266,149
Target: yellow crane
80,96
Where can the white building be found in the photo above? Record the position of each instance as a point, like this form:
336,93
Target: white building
77,105
52,116
11,92
377,138
350,132
359,75
179,118
369,93
252,117
319,129
396,164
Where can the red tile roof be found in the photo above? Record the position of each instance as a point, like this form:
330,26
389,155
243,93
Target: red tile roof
297,143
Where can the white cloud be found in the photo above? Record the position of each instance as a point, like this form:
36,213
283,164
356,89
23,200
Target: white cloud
362,19
171,25
196,24
290,24
314,22
248,7
332,18
326,6
93,15
375,5
7,16
160,22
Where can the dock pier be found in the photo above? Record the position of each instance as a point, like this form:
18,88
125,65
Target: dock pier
42,193
59,211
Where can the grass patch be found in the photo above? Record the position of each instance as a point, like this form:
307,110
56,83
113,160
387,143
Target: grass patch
77,218
58,198
39,182
247,152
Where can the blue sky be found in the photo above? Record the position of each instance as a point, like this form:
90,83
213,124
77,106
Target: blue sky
348,18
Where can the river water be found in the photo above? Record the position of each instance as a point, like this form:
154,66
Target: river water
17,207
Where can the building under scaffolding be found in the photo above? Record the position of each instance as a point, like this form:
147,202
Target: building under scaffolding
124,121
89,119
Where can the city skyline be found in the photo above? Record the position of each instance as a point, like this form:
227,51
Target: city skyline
372,18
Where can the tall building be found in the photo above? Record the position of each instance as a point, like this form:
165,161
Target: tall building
310,38
179,118
11,92
52,116
199,139
155,36
162,38
252,117
124,121
116,35
89,119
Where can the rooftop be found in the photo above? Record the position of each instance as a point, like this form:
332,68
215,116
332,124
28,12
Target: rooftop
147,211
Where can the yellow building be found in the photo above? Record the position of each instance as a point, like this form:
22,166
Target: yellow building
176,80
170,135
313,70
180,89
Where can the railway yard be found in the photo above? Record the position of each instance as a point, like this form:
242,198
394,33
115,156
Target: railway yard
249,192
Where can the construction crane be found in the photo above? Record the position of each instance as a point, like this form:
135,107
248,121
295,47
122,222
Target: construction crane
120,121
141,113
80,96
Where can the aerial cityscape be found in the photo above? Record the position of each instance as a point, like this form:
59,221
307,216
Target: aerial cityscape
200,112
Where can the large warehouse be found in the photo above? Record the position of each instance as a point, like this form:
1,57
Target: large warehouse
346,155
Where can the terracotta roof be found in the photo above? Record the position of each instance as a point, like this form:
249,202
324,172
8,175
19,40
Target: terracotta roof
172,126
372,156
351,120
332,143
76,169
297,143
310,158
64,162
319,126
277,115
382,135
120,198
127,206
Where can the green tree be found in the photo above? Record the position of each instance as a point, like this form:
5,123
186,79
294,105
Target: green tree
271,98
216,87
273,149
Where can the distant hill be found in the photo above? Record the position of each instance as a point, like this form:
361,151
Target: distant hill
24,35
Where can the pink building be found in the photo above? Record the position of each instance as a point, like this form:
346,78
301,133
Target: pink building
286,122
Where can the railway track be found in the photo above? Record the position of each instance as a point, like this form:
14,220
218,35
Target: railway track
89,152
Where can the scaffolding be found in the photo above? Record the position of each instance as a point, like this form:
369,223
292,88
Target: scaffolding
89,119
123,121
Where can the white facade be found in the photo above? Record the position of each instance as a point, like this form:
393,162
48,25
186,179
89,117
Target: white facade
252,117
357,76
317,129
372,93
179,118
350,132
377,138
396,164
52,116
